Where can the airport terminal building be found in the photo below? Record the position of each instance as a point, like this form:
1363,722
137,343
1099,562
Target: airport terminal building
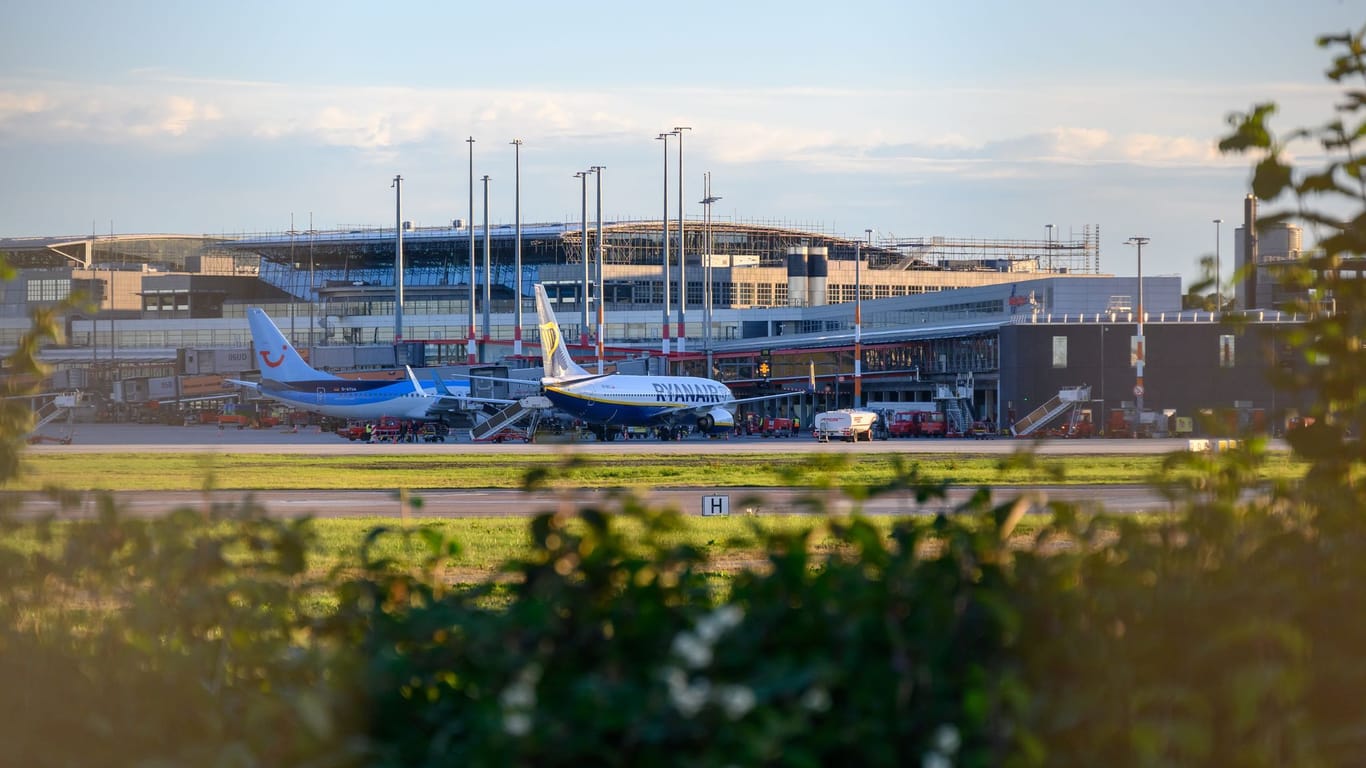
993,328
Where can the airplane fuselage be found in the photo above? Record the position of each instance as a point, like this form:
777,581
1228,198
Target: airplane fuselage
352,399
635,401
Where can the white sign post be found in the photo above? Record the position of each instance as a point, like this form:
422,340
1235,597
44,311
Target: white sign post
715,506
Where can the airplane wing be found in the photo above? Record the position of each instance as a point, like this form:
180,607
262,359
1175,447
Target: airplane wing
252,385
689,410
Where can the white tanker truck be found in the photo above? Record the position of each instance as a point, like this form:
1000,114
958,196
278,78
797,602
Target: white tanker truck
845,424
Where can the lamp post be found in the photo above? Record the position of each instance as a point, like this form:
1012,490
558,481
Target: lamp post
1140,352
597,245
469,344
707,267
664,338
682,250
488,274
398,259
1048,240
517,249
582,176
1218,273
858,326
293,284
312,297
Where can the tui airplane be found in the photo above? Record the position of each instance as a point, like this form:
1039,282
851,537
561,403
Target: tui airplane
287,378
619,399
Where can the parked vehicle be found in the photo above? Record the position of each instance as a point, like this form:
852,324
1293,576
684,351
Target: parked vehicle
432,432
353,431
929,424
777,426
387,430
901,424
845,424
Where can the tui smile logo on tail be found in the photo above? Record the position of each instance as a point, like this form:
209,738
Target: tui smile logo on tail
265,358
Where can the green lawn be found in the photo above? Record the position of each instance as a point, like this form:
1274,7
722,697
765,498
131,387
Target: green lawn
169,472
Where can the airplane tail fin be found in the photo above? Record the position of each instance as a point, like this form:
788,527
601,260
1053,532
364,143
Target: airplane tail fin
554,356
276,357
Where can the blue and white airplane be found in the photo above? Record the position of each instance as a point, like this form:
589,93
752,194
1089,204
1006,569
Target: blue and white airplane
287,378
630,400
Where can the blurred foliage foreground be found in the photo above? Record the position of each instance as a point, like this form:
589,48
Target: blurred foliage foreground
1231,634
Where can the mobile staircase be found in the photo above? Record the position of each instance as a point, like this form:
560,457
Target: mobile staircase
1067,399
531,405
48,407
955,402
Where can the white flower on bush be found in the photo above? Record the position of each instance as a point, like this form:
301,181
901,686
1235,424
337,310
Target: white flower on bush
718,622
735,700
695,648
688,698
518,700
947,740
692,649
816,699
516,723
935,760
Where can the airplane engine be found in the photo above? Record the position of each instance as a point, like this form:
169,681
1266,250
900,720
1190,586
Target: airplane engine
716,421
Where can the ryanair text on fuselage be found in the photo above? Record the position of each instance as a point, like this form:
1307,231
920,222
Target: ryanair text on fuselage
685,392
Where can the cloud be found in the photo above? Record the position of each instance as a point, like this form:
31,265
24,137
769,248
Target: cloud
977,132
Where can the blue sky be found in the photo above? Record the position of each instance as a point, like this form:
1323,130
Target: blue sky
968,119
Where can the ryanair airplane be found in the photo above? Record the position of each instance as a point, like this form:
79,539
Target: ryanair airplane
628,400
286,378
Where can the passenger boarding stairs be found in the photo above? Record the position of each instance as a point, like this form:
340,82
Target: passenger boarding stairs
53,406
956,404
1068,398
509,416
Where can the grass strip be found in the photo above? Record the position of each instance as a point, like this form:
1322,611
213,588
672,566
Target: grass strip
133,471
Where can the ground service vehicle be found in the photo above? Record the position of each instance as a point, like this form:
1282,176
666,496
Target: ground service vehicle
929,424
777,426
845,424
901,424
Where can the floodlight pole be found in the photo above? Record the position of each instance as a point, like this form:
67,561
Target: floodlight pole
488,276
664,332
312,235
517,250
1142,353
1218,273
598,246
398,259
682,250
582,176
707,201
470,345
858,326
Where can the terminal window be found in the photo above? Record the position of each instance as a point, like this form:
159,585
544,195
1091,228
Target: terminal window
49,290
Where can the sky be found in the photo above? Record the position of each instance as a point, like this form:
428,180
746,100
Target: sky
972,119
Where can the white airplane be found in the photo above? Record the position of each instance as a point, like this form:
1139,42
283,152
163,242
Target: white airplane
620,399
287,378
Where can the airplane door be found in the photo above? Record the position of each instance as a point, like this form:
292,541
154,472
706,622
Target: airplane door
320,395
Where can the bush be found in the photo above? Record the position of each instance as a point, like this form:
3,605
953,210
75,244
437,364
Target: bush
1225,634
